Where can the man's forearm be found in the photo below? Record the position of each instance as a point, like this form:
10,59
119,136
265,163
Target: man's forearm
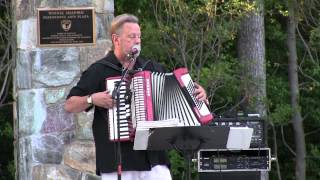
76,104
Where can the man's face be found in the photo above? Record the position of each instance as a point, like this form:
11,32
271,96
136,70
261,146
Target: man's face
128,37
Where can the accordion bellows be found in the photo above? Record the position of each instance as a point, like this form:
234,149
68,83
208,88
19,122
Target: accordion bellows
155,97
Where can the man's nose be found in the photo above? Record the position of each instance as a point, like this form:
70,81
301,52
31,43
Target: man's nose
137,40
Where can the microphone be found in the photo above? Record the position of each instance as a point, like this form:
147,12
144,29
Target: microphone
135,51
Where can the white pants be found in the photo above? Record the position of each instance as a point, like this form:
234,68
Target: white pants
159,172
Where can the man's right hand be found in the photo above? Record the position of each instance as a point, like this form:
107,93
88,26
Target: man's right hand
77,104
103,99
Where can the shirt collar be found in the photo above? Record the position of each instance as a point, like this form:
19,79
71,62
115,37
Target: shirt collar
114,60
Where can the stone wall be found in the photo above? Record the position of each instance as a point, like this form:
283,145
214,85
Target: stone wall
51,143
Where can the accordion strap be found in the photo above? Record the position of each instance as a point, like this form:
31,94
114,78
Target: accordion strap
113,66
109,64
144,65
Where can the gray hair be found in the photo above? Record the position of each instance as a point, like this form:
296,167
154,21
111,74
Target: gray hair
118,21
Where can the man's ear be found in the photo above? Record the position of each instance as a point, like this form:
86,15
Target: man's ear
114,38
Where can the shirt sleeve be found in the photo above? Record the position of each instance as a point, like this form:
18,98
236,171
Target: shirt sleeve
90,82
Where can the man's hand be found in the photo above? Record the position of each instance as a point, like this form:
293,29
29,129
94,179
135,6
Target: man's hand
103,99
200,93
77,104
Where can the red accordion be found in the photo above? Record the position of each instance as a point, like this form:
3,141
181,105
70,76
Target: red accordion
155,97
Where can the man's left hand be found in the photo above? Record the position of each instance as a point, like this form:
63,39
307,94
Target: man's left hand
200,93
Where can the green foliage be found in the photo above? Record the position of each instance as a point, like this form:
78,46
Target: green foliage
195,30
6,152
222,82
11,169
178,165
310,93
313,160
197,34
6,130
278,82
141,8
7,168
200,35
315,39
281,115
284,156
278,91
151,46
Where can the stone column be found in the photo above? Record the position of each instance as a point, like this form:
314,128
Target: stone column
51,143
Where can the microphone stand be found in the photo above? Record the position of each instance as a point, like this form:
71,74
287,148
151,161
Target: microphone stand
116,94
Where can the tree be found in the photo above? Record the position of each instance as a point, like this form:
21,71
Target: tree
7,42
251,53
294,91
279,92
200,35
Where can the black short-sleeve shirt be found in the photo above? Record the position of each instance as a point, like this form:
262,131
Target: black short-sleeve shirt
93,80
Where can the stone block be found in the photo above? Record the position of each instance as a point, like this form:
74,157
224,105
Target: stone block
32,111
36,117
86,176
54,95
76,3
47,149
107,18
57,120
23,69
55,67
57,172
47,3
27,34
24,158
84,125
23,9
91,54
100,27
40,149
80,155
98,5
26,8
99,51
109,6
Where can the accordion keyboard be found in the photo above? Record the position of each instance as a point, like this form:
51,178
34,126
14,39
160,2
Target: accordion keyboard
124,114
200,108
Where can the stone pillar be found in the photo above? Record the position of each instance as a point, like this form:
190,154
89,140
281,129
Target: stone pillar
51,143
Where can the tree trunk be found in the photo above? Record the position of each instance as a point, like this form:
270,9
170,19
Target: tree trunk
294,92
251,52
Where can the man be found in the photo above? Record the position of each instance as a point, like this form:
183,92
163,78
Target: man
91,91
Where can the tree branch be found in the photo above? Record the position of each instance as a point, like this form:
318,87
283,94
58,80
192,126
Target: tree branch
285,142
312,132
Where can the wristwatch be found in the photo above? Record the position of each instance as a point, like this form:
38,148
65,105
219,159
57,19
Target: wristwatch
89,100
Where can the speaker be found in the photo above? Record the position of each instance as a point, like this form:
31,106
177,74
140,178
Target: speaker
248,175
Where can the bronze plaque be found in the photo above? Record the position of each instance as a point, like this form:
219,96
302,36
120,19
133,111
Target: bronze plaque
69,27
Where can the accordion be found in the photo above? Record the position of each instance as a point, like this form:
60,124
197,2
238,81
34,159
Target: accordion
155,96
